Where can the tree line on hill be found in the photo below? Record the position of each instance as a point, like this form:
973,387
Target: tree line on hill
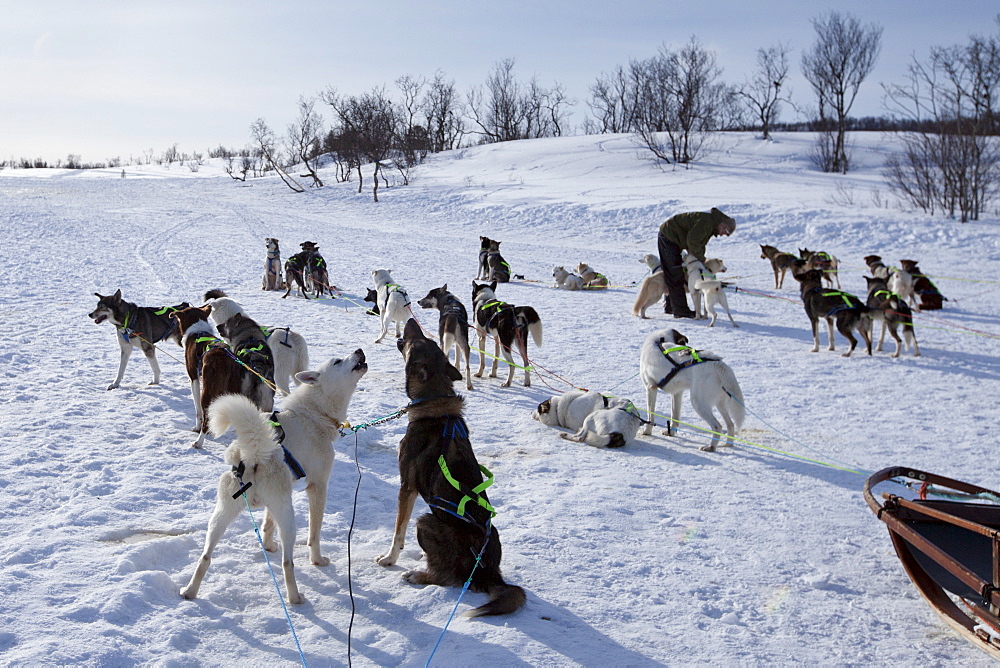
947,112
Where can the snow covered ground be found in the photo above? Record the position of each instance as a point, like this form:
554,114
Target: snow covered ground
655,554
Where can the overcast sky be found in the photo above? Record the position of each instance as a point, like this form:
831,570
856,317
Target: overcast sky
106,79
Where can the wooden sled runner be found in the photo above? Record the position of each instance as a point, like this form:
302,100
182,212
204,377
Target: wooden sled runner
948,539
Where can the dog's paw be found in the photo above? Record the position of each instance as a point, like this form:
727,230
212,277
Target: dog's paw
296,599
416,577
187,593
386,560
321,561
707,448
112,386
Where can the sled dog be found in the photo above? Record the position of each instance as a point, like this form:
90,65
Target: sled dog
272,266
667,363
197,337
608,427
591,279
780,263
266,459
890,308
930,297
392,301
453,326
877,268
507,324
566,280
139,327
300,267
499,269
651,261
849,312
484,251
651,290
571,408
706,291
288,348
436,461
901,283
823,262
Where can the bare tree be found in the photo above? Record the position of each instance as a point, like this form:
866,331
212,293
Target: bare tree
303,138
680,95
614,101
371,121
763,92
265,142
951,158
444,112
505,109
837,64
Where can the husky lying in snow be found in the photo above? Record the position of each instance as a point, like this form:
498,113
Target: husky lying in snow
392,302
596,419
266,461
667,363
566,280
591,279
139,327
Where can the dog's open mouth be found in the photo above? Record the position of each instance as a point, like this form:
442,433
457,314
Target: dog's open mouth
100,318
361,365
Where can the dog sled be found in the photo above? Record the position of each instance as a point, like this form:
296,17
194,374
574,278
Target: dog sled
947,534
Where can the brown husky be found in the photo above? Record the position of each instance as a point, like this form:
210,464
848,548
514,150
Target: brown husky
436,461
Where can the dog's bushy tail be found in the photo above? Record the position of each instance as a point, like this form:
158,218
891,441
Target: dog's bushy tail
255,440
214,293
731,386
504,599
527,318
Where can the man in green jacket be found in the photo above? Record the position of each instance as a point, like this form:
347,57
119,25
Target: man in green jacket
690,232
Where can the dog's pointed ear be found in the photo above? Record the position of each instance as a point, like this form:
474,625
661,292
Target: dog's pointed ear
445,287
453,373
493,286
118,295
545,407
308,377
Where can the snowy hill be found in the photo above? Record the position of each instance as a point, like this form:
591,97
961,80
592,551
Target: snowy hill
656,554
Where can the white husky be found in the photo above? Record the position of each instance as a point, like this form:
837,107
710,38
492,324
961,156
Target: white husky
567,280
706,291
392,301
667,363
265,463
288,348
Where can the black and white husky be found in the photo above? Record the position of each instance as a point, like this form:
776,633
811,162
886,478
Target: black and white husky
499,269
483,272
849,312
507,324
667,363
893,311
139,327
453,326
288,348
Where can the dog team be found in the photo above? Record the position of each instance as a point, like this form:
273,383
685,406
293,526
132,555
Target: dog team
236,366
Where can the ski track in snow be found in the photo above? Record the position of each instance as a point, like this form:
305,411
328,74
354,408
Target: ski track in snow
656,554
